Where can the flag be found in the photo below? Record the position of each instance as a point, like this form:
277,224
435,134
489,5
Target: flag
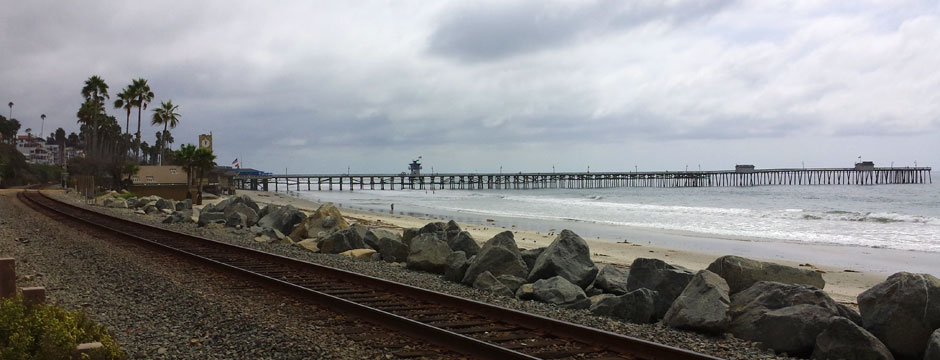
235,161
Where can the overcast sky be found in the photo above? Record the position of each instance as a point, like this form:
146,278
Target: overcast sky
472,86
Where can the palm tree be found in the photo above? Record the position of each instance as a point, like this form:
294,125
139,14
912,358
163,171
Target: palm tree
142,97
167,116
125,100
185,157
11,109
43,126
60,139
203,160
94,91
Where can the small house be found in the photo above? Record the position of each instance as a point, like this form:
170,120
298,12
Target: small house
744,169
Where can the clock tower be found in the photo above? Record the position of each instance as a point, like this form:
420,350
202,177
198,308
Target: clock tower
205,141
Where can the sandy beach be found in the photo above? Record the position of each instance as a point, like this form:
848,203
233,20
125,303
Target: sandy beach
842,284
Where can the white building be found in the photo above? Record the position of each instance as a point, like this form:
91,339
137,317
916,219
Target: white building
37,151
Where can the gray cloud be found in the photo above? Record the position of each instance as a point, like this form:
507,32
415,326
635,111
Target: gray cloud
484,32
322,86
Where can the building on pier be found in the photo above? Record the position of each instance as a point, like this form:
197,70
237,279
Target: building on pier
415,167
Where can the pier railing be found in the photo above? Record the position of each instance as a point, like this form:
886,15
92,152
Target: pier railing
587,180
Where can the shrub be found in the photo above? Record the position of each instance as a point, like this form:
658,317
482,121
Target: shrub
41,331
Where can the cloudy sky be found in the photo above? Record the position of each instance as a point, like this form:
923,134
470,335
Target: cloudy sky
526,85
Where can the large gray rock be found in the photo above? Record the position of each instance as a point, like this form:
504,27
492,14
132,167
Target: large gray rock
184,205
340,241
529,256
845,340
902,311
667,280
323,222
604,304
462,241
165,204
792,329
849,313
283,219
429,253
785,317
637,306
499,256
933,346
559,291
206,218
488,282
251,217
702,306
185,216
408,234
741,273
391,249
131,202
569,257
456,266
612,280
236,220
372,237
512,282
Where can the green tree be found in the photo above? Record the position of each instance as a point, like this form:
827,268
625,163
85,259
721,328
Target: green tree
125,100
185,157
142,97
167,116
203,161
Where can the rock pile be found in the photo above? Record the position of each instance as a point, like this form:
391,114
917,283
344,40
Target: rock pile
178,211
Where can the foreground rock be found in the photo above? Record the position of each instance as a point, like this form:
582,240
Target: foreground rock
283,219
784,317
462,241
741,273
666,280
250,215
902,311
845,340
455,266
933,347
561,292
488,282
323,222
569,257
637,306
391,250
185,216
206,218
499,256
343,240
612,280
429,253
702,306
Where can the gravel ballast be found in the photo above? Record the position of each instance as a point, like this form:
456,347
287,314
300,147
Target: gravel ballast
160,307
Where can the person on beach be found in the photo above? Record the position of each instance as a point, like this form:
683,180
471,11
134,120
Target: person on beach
393,209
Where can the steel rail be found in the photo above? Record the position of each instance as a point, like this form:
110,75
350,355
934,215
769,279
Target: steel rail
227,256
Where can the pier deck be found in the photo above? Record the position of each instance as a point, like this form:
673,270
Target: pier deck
587,180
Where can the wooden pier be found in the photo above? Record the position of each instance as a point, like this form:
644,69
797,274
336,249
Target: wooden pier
663,179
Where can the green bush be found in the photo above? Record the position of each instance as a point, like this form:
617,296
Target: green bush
41,331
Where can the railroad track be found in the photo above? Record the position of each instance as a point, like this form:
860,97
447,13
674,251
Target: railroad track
465,326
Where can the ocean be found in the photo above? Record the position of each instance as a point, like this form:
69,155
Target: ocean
898,217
